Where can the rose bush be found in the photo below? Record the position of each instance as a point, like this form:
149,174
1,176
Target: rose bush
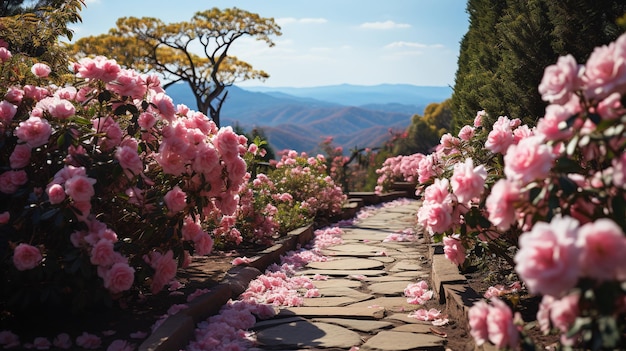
106,186
294,193
549,199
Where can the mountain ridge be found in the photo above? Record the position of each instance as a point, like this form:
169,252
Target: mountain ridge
301,118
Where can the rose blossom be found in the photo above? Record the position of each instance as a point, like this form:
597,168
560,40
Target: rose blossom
164,269
605,71
41,70
7,111
119,277
500,327
61,108
129,160
5,54
560,80
20,157
563,312
26,257
5,217
8,339
454,249
88,341
603,250
34,131
120,345
175,199
468,181
466,133
500,203
62,341
102,253
477,316
165,106
80,188
227,143
548,259
529,160
14,95
436,217
56,193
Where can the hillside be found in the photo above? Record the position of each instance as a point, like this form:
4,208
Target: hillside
300,118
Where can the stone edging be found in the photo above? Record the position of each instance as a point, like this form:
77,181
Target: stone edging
453,291
177,330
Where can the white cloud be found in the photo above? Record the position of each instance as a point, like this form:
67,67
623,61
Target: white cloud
412,45
288,20
384,25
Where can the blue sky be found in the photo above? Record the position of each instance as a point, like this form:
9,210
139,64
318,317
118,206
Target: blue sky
325,42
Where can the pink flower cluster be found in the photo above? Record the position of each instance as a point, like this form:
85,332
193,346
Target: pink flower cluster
398,168
493,322
553,256
418,293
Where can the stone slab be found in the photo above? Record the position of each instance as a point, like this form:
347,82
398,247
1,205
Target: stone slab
334,301
404,317
275,321
337,283
361,312
355,248
393,304
414,328
346,264
344,273
406,265
356,324
444,272
384,259
401,341
305,334
343,291
389,288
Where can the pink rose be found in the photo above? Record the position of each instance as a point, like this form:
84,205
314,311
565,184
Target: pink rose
41,343
8,339
5,54
97,68
26,257
454,249
88,341
61,108
468,181
175,199
438,191
563,312
102,253
477,316
203,244
165,106
550,124
500,137
603,250
500,327
7,111
466,133
14,95
34,131
435,217
56,193
560,80
41,70
206,159
129,160
128,83
478,120
227,143
611,107
5,217
164,269
605,70
548,259
20,157
119,277
80,188
529,160
500,204
146,120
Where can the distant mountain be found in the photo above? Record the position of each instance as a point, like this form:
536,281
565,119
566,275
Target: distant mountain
300,118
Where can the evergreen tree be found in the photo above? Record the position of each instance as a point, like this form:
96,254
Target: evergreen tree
509,44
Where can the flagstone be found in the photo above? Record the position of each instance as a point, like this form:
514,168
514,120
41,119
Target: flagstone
406,265
361,312
404,317
356,324
389,288
337,283
305,334
275,321
414,328
343,291
391,303
400,341
346,264
342,273
333,301
355,248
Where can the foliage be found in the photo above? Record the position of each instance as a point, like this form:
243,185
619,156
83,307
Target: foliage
424,132
35,31
105,186
347,171
509,43
148,44
551,200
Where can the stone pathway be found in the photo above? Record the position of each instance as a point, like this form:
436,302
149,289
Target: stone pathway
362,304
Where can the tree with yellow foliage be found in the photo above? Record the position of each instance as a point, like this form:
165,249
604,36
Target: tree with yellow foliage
149,45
